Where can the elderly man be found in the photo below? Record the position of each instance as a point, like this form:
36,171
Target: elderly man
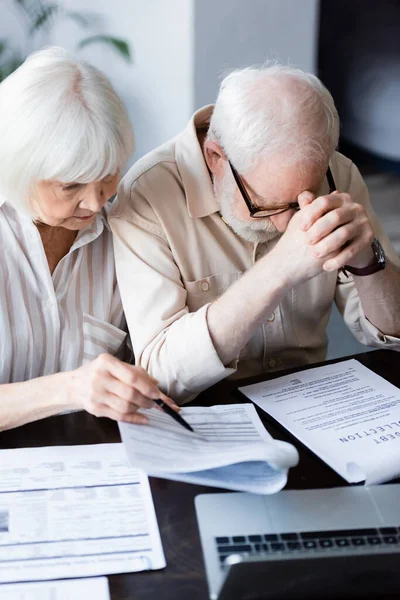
231,239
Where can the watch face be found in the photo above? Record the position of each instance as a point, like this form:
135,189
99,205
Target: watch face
379,252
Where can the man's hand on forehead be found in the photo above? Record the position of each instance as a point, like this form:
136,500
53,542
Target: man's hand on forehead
335,224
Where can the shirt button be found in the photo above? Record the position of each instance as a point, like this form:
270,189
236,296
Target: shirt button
271,317
204,285
272,363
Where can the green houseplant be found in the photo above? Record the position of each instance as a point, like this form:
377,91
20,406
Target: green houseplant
39,16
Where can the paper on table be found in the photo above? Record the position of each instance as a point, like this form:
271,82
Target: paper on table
345,413
74,511
70,589
256,477
224,435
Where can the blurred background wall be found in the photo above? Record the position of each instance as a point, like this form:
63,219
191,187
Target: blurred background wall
181,49
237,33
157,86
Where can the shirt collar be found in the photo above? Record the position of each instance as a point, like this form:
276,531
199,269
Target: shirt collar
192,167
86,235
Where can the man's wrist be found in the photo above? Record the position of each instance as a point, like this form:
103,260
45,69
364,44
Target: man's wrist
281,280
363,259
378,263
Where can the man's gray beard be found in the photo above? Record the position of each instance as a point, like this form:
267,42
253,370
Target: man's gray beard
257,231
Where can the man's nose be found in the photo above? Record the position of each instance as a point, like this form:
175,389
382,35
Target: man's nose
281,221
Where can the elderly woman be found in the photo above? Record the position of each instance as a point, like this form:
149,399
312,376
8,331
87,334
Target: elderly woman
64,138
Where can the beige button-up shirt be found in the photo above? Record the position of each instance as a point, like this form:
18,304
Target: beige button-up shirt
175,256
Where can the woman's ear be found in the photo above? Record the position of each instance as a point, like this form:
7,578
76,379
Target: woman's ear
214,157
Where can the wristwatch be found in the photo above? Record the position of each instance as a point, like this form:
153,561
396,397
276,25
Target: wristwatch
378,265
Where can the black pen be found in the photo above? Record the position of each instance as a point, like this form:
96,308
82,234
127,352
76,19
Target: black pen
167,409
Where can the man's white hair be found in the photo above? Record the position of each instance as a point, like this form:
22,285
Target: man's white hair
60,119
274,109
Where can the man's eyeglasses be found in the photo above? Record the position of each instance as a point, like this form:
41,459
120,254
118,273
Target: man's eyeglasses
258,213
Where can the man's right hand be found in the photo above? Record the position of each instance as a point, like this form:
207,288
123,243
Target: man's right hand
294,256
327,233
108,387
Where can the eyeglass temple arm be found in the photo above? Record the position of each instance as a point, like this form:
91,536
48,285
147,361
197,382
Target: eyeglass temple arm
331,181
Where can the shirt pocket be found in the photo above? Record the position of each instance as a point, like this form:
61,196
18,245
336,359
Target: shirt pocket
206,290
100,336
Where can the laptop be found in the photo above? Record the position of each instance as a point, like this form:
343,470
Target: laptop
333,543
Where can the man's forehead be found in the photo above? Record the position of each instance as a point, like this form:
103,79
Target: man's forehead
279,165
266,182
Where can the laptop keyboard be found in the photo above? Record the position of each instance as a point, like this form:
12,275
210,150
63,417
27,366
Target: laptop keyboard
278,543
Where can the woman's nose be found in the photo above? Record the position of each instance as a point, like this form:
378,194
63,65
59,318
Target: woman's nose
94,200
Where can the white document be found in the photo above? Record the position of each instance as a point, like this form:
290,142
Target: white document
73,511
68,589
345,413
230,448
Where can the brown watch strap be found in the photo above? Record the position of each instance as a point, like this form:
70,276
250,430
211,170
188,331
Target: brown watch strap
378,264
370,270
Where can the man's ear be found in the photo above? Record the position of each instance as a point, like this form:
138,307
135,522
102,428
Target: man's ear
214,157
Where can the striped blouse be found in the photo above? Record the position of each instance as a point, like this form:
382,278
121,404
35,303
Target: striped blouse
51,323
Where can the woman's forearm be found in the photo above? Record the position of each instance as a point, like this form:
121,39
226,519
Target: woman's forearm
104,387
36,399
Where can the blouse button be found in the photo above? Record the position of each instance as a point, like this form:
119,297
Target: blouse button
204,286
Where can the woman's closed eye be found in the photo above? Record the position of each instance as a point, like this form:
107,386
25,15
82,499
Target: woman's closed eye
109,178
71,186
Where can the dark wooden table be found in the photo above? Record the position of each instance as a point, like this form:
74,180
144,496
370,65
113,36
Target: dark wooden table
184,576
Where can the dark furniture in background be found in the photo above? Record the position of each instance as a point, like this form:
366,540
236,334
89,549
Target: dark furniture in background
359,62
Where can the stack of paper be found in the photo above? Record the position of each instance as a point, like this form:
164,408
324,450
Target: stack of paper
69,589
74,511
345,413
230,448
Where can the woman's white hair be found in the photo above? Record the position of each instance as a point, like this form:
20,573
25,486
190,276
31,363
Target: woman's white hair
274,109
60,119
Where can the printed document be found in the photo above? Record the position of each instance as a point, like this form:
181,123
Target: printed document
229,448
345,413
67,589
74,511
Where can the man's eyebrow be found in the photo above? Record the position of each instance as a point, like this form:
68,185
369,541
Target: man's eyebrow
314,190
258,197
254,194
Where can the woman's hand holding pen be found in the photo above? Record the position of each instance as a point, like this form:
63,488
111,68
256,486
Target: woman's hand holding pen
108,387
